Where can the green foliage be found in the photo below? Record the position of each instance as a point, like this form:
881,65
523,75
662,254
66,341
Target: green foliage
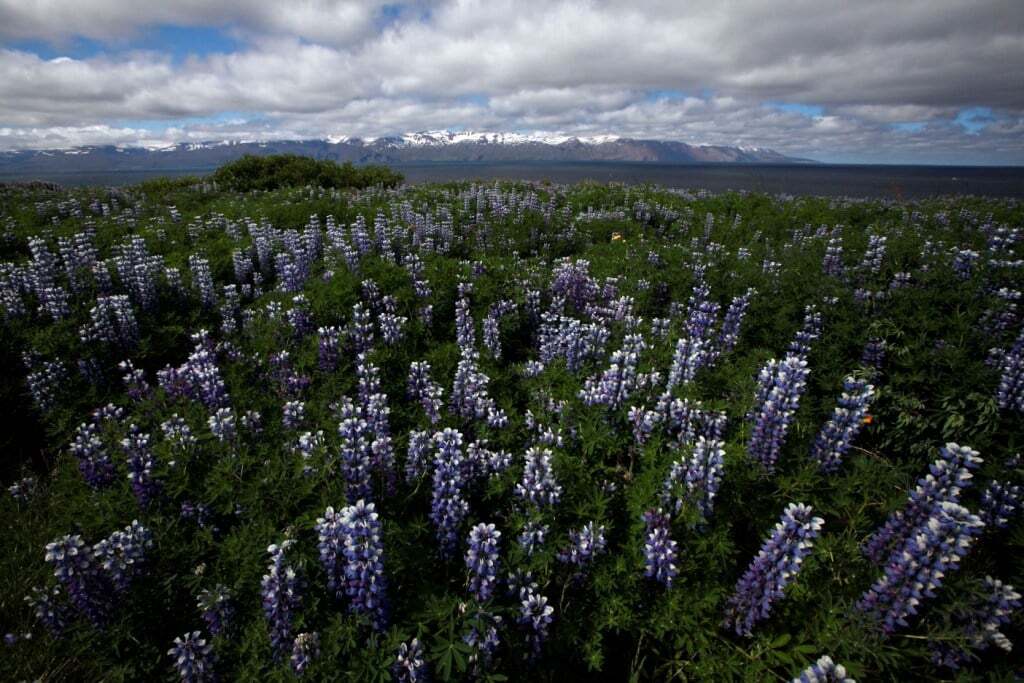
610,623
254,172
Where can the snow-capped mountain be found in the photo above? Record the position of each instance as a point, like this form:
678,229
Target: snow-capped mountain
424,146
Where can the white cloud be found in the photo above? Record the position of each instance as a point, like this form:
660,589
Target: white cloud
314,67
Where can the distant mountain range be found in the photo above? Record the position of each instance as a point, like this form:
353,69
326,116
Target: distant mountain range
433,146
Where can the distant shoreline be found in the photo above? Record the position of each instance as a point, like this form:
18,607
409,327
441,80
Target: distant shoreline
854,180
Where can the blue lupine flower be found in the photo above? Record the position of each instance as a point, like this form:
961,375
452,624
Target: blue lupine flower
532,537
914,570
999,502
824,671
365,583
780,385
410,667
1010,393
281,593
777,563
981,626
585,544
77,570
482,560
305,649
193,658
217,608
696,479
535,615
836,437
659,548
538,485
48,608
947,477
448,506
425,390
141,463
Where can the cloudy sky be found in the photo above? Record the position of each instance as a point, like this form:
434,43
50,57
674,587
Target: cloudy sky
905,81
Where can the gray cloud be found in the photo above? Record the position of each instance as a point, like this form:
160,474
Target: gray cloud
696,71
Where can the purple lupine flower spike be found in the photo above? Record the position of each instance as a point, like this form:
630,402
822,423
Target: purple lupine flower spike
280,589
914,570
659,548
410,666
780,386
946,478
482,560
824,671
836,437
775,566
193,658
305,649
448,506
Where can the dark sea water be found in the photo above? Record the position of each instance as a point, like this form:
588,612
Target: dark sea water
896,182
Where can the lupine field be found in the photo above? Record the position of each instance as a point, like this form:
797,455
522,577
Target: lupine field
512,431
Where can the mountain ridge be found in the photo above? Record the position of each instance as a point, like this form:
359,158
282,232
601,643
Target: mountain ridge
424,146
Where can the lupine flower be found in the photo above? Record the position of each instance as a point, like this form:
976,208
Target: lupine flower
425,390
280,589
619,381
482,560
293,414
93,460
331,545
177,432
355,451
824,671
305,649
999,502
780,385
410,667
202,279
659,548
328,348
193,658
217,608
469,397
448,507
777,563
389,322
914,570
874,353
491,326
484,640
532,537
362,328
222,424
1010,393
48,608
699,477
535,615
77,570
22,489
415,461
836,437
963,262
947,477
122,554
981,625
832,264
538,485
872,262
808,332
585,544
141,462
365,584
